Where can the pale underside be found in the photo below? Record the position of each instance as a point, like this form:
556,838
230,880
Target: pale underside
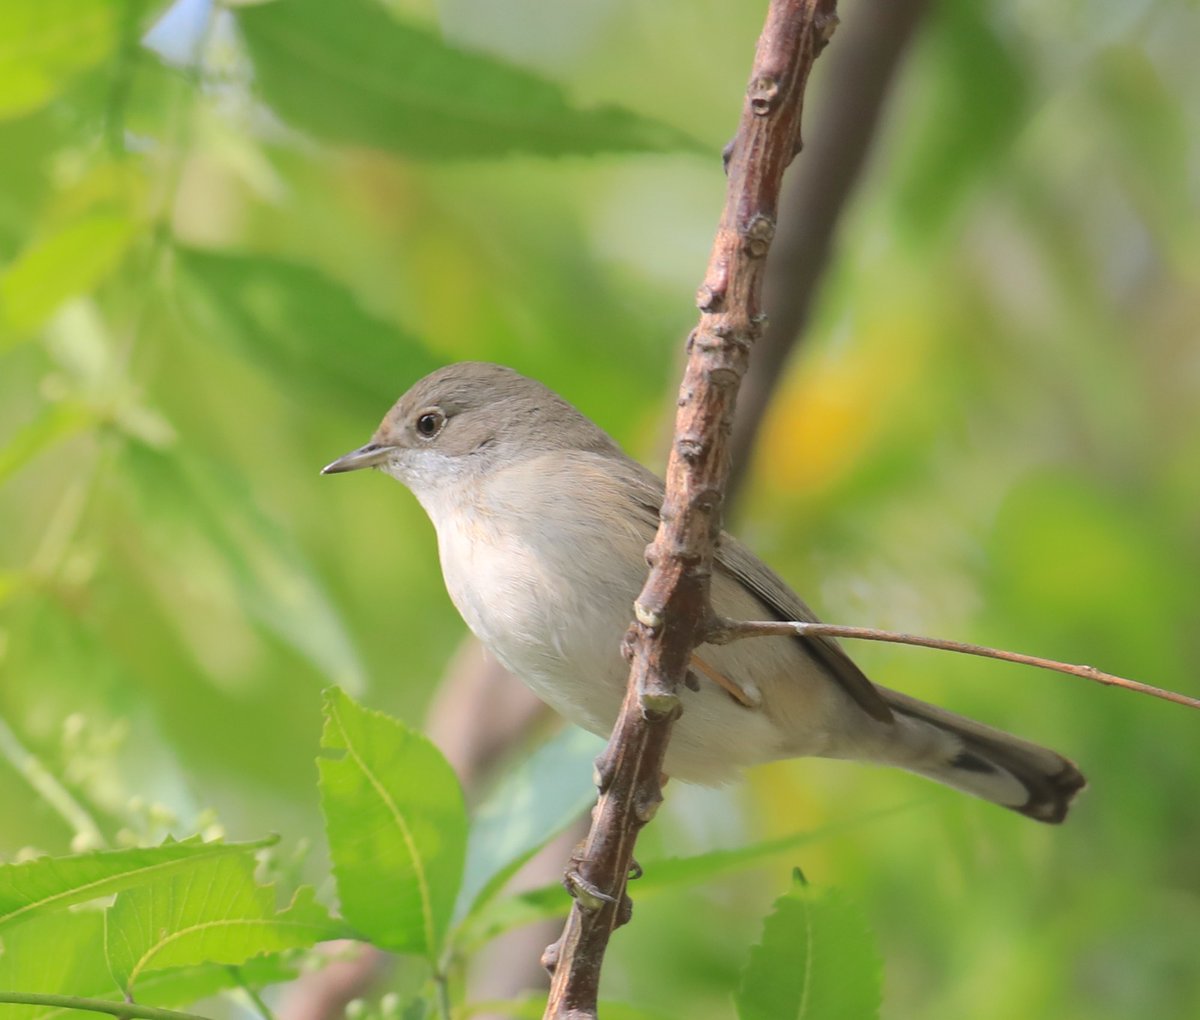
560,590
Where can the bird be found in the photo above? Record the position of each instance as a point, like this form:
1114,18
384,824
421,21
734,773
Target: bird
542,523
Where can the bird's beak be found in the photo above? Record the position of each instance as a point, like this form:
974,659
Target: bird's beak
371,455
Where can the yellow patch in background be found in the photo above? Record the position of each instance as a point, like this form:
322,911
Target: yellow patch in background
836,406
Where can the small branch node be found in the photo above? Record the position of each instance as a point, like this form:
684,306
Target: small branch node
647,617
691,447
550,957
763,93
705,500
709,298
647,805
826,25
659,703
756,238
725,338
680,554
587,895
602,771
724,377
629,644
624,911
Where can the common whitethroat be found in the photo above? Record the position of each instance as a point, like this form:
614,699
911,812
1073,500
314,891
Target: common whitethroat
542,524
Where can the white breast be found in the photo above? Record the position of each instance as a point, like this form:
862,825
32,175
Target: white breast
546,579
520,585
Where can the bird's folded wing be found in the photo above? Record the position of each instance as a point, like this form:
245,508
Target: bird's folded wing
740,564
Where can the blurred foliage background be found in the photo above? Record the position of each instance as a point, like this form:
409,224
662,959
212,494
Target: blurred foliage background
230,238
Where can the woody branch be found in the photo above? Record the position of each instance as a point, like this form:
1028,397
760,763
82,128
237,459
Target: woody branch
673,607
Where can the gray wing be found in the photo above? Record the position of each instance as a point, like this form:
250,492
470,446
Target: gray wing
739,563
769,588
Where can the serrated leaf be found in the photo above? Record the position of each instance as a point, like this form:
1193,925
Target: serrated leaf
531,805
63,954
213,913
56,954
816,961
352,73
183,985
397,827
286,316
43,43
45,884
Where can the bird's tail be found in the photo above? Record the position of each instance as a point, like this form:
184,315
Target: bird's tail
986,762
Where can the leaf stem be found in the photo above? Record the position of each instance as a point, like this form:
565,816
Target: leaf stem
441,983
117,1009
252,994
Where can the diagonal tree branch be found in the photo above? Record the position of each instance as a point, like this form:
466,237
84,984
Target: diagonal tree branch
674,604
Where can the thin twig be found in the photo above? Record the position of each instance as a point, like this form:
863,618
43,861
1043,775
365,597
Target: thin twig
251,993
441,985
726,631
673,606
117,1009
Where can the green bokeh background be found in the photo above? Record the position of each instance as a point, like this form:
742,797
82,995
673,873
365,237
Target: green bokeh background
992,431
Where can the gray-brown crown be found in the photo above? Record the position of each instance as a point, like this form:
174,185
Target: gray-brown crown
489,408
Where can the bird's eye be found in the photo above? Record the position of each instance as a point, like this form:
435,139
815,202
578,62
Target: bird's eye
429,423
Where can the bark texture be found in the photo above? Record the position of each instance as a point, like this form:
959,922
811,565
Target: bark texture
672,610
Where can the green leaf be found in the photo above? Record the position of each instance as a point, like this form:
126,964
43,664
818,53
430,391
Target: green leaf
43,43
69,261
55,954
817,961
213,913
180,986
352,73
532,804
294,320
397,827
46,884
63,954
658,876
